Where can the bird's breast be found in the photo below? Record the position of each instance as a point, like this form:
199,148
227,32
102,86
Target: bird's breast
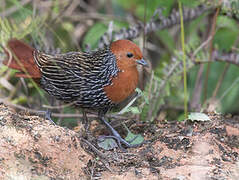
122,85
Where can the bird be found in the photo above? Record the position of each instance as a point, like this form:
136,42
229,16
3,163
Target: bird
96,80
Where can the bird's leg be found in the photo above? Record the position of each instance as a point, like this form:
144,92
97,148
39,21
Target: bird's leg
48,112
116,135
85,121
48,116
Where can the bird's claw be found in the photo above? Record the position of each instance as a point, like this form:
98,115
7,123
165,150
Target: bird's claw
120,141
47,114
118,138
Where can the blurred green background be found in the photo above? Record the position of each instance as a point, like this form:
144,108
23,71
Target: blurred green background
77,25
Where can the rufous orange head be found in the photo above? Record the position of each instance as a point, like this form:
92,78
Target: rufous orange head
127,53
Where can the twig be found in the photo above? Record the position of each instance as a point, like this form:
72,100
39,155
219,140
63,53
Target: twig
201,46
232,58
154,24
60,14
213,31
93,16
13,9
58,107
59,115
221,78
195,103
195,100
150,94
170,73
228,89
100,154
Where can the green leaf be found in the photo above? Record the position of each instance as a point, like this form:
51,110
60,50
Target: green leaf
226,34
134,110
195,116
107,143
190,3
56,8
224,21
167,39
20,100
68,26
181,117
225,38
94,34
134,139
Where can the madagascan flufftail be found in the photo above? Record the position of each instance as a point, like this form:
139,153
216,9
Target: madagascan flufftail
96,80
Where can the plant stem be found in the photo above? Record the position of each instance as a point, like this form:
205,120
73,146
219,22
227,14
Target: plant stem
213,31
184,62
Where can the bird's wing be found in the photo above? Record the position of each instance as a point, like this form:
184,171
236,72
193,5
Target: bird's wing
75,74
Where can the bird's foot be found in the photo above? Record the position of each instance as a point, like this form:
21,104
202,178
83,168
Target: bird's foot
110,142
85,121
116,136
47,114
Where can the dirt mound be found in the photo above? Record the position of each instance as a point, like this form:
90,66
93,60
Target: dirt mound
32,148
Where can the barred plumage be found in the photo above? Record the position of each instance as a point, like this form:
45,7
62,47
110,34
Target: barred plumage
96,80
78,77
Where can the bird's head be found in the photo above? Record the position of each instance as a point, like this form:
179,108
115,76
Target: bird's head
128,54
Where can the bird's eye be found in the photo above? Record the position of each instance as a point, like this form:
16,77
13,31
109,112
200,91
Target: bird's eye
130,55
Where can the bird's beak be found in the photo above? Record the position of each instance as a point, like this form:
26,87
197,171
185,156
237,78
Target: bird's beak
142,62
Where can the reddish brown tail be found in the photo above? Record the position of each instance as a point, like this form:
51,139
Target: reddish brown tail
20,57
